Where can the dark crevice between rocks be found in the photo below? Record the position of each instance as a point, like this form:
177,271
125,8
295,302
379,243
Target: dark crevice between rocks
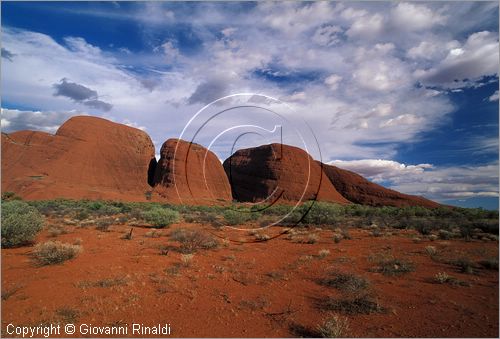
151,172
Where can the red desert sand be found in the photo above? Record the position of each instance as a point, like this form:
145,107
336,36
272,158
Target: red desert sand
267,289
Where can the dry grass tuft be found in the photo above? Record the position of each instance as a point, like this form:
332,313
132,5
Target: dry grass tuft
187,259
193,240
55,252
346,282
334,327
444,278
323,253
356,305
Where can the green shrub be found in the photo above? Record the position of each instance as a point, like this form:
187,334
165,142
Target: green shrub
279,210
423,226
322,213
291,219
50,207
82,215
161,217
466,231
20,223
202,217
95,205
234,217
109,210
55,252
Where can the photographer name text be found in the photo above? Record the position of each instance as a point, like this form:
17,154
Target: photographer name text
87,329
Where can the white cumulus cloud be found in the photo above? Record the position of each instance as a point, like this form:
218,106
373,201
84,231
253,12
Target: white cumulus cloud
435,182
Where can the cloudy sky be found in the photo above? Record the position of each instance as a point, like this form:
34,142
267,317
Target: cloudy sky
405,94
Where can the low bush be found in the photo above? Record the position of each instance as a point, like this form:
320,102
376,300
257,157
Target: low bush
357,305
334,327
491,263
20,223
394,266
431,250
465,265
193,240
445,235
55,252
261,237
82,215
444,278
345,234
161,217
56,230
153,234
187,259
107,210
323,253
311,238
345,282
202,217
235,217
292,219
423,226
322,213
7,196
337,238
104,224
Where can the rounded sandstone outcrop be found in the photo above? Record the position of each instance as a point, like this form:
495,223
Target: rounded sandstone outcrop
362,191
190,173
88,157
278,173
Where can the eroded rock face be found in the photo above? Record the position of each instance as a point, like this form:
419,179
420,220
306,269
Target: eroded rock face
362,191
280,173
189,173
88,157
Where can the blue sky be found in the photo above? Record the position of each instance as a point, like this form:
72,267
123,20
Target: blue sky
405,94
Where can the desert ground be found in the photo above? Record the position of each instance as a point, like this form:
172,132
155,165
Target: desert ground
205,280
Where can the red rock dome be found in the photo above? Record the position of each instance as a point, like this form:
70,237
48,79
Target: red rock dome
190,173
277,172
362,191
88,157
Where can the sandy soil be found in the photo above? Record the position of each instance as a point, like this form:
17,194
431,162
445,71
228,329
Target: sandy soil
267,289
